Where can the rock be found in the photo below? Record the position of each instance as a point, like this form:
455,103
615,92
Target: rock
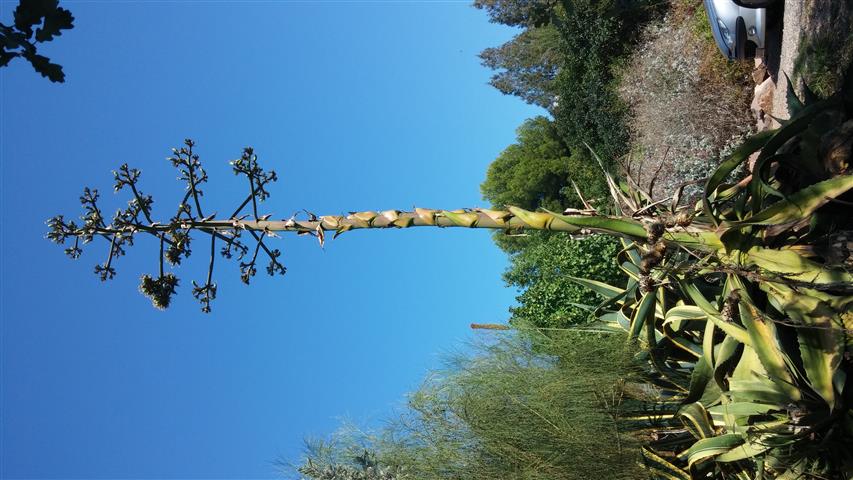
759,73
762,104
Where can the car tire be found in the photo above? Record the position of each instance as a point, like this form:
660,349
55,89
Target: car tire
754,3
740,39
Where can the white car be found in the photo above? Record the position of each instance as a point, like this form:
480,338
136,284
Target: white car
738,26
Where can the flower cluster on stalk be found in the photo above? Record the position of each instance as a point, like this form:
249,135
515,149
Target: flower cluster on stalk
175,236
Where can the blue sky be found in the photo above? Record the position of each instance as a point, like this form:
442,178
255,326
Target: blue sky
357,105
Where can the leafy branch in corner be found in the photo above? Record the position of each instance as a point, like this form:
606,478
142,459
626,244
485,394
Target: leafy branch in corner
35,21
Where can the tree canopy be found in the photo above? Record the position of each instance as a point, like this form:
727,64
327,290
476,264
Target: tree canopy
526,65
518,13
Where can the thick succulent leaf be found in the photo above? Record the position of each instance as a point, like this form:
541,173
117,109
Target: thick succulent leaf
789,264
708,343
740,155
681,313
699,240
734,330
820,349
743,408
750,382
795,106
758,183
711,447
601,288
758,391
661,468
700,379
751,448
724,354
644,312
766,343
791,129
821,335
696,420
611,225
800,205
683,342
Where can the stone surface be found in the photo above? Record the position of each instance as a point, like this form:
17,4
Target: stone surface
763,104
792,33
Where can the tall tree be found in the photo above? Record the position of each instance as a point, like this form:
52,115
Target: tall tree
535,171
518,13
527,65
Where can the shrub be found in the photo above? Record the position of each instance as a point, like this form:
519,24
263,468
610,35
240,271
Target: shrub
533,172
506,411
550,299
689,106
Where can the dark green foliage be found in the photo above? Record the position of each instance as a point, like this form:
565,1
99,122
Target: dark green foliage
526,65
48,19
594,35
549,299
506,411
518,13
535,171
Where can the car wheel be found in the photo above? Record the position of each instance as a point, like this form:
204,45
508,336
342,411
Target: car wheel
754,3
740,39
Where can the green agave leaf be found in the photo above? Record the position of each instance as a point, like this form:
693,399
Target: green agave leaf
644,312
795,106
789,264
800,205
682,342
619,299
611,225
684,312
702,375
766,343
696,420
735,331
724,354
750,449
743,408
821,337
660,467
750,382
758,183
796,125
757,390
747,148
601,288
820,349
705,241
711,447
630,249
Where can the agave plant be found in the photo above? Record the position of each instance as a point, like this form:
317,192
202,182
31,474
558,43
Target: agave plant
743,301
749,327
